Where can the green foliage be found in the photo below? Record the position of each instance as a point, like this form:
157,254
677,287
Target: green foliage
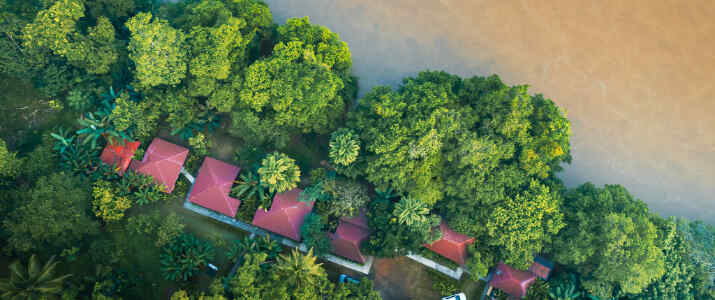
56,29
390,238
200,144
96,125
138,118
157,51
314,235
79,100
247,283
32,282
344,147
9,162
414,214
299,271
182,258
326,47
347,197
525,224
610,238
296,89
279,173
250,187
411,211
361,291
106,204
443,284
564,290
477,265
169,229
539,290
245,246
54,217
472,147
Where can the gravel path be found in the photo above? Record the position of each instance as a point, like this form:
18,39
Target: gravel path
635,76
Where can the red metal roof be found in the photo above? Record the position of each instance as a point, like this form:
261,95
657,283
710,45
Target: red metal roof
285,216
347,238
212,186
541,267
163,161
512,281
452,245
116,154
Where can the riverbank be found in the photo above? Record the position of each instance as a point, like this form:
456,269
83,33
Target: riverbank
635,77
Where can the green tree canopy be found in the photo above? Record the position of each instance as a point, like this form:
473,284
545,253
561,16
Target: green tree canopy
56,29
223,37
9,162
295,90
610,239
55,217
157,50
483,152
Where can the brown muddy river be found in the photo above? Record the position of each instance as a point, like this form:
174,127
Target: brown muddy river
636,77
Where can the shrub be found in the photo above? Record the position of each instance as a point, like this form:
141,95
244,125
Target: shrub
314,236
106,204
182,258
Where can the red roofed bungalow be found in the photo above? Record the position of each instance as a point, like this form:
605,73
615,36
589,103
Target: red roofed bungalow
116,154
285,216
511,281
212,186
347,238
163,161
452,245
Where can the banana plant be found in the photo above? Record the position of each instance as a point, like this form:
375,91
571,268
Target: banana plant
249,186
96,126
564,292
64,140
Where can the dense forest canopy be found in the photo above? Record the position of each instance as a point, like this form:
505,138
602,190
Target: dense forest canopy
220,76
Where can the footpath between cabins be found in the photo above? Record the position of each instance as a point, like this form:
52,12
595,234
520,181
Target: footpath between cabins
255,231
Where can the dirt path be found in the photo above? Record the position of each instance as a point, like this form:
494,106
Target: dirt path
635,76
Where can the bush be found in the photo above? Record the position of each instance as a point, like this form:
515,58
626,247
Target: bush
314,236
442,283
79,100
182,258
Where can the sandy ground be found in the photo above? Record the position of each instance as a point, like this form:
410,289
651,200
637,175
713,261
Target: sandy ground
635,76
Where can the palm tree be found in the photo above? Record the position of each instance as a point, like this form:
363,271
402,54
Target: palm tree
249,186
300,270
279,172
344,147
411,211
33,282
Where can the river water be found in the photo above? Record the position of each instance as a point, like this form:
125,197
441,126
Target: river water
636,76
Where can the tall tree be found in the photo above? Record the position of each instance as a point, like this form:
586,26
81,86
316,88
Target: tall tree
56,29
298,89
55,217
472,148
157,50
610,239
